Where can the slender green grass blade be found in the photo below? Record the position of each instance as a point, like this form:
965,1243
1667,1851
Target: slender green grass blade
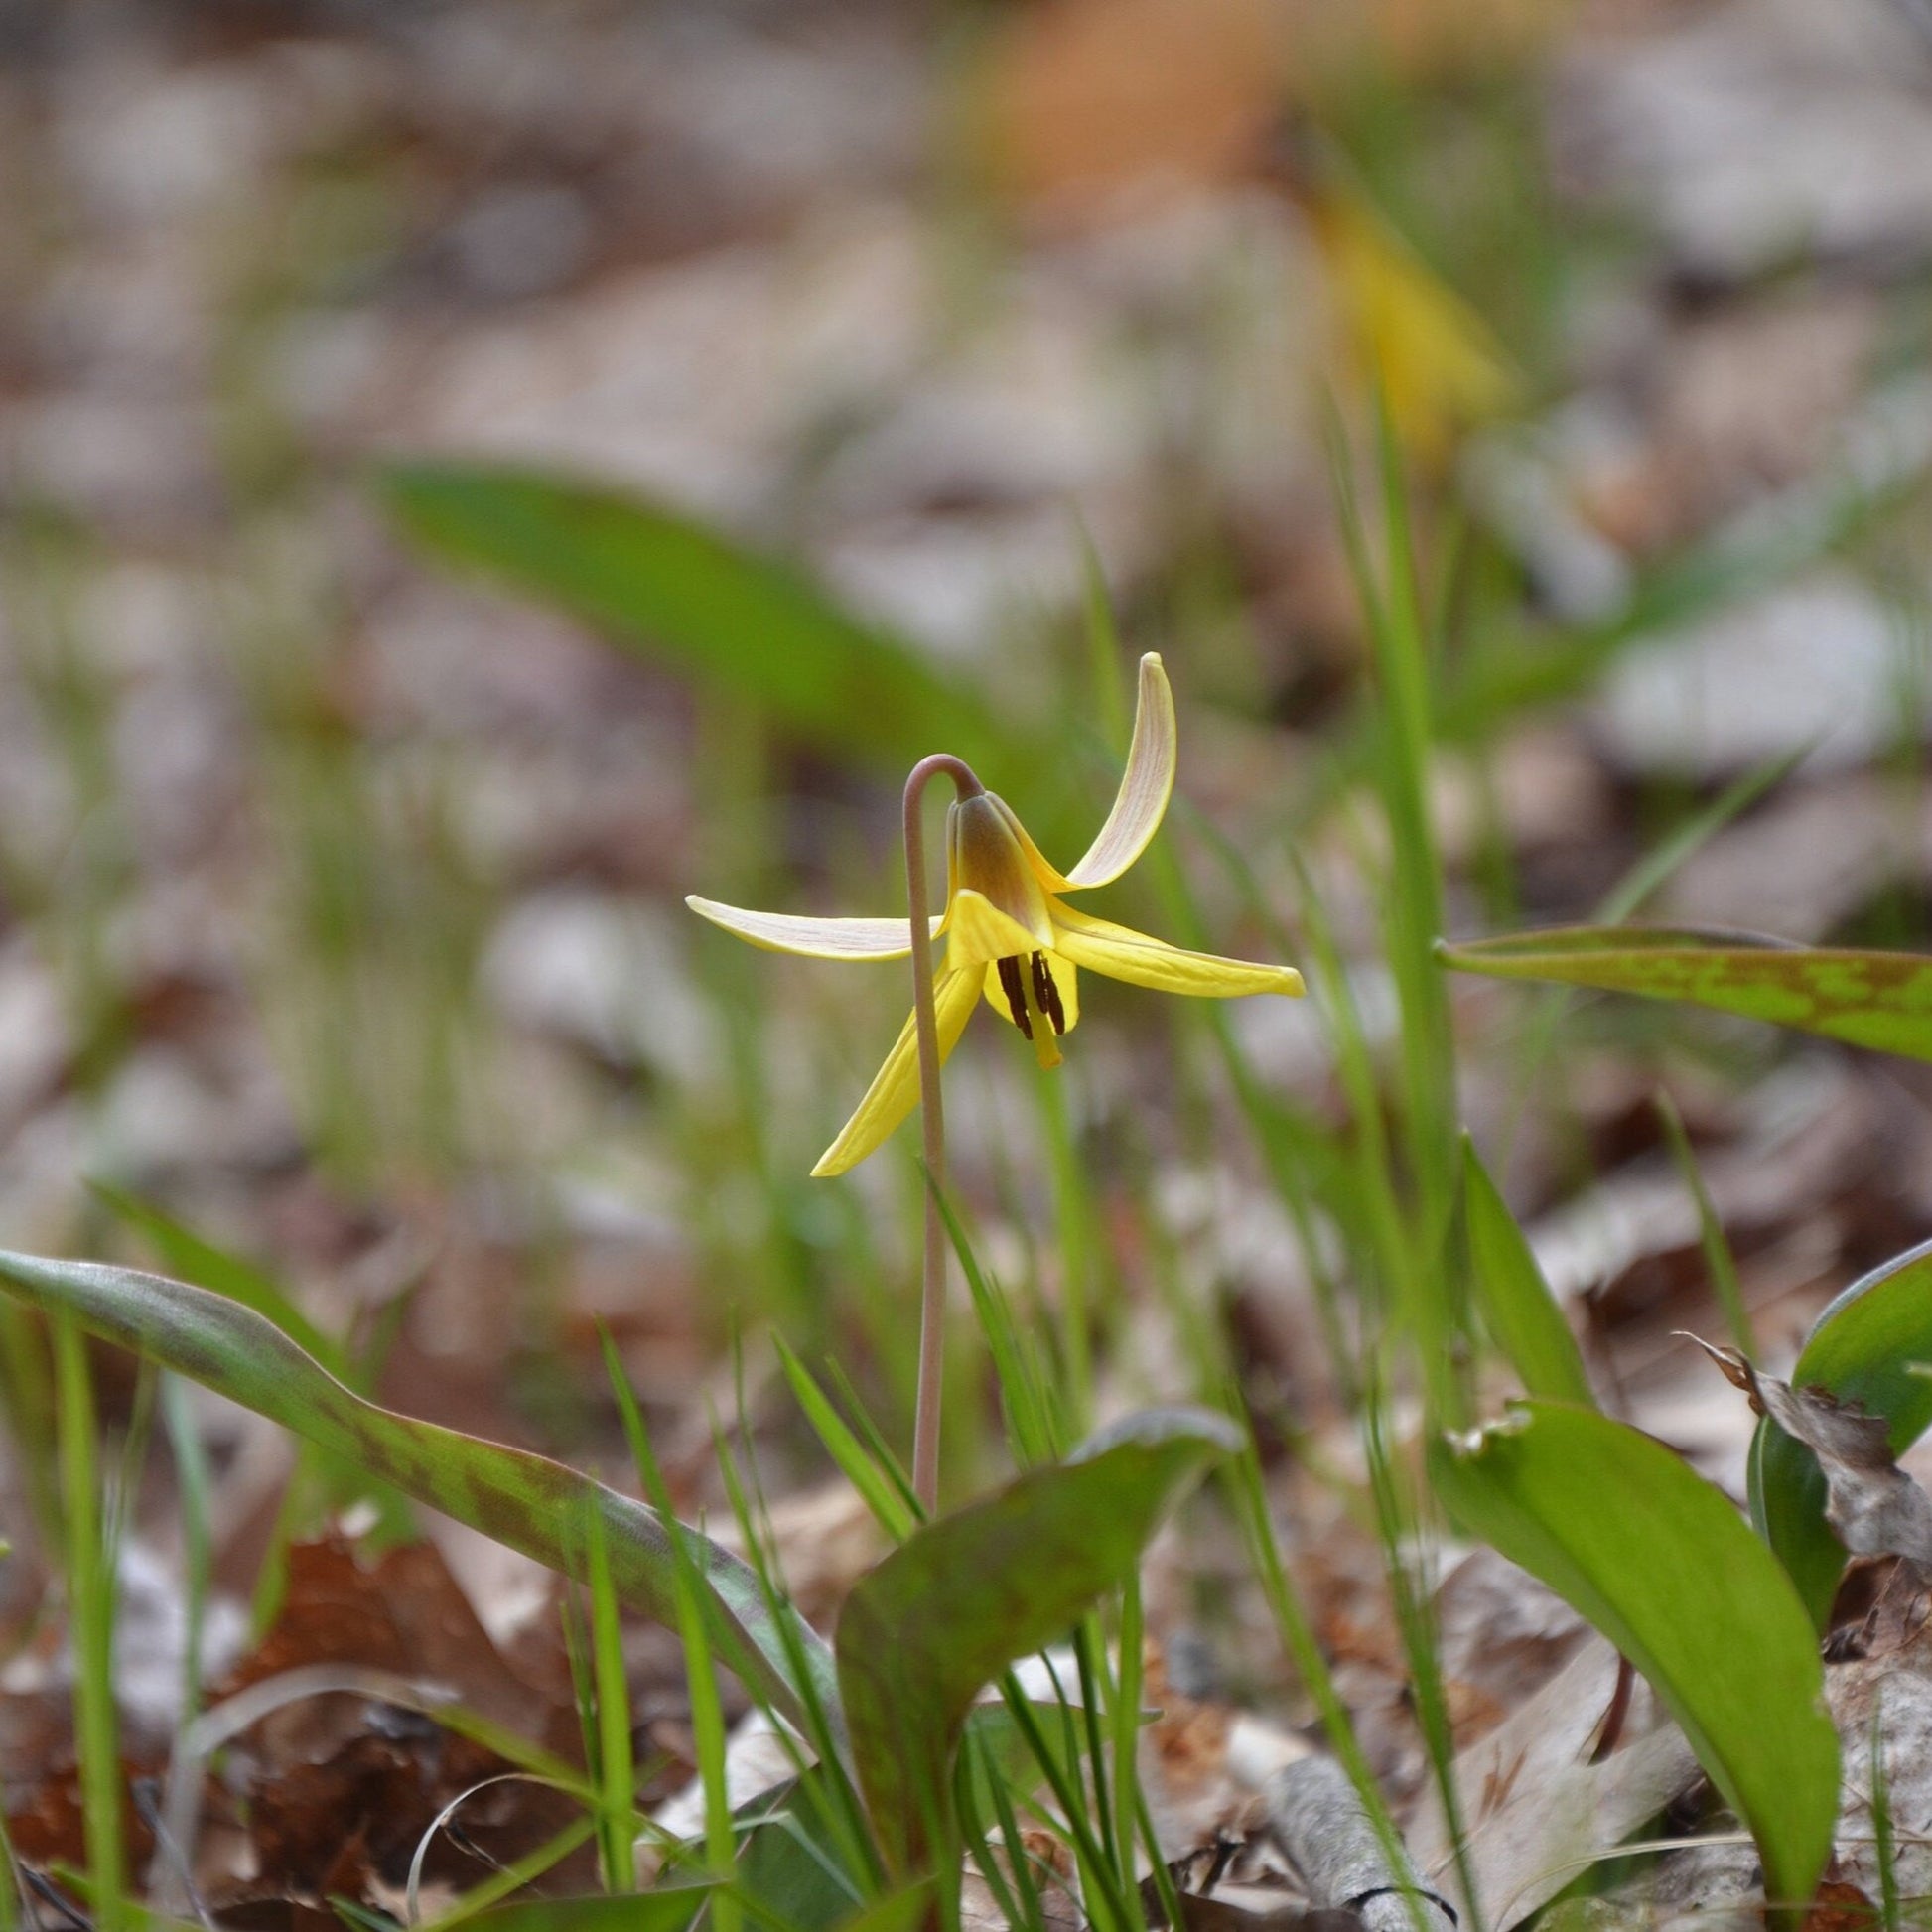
1516,1304
611,1692
91,1610
887,1500
1247,1493
513,1878
700,1671
1719,1261
1412,912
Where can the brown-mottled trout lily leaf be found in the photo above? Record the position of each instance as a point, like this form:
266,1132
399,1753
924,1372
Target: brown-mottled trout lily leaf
522,1500
1881,999
1873,1508
963,1597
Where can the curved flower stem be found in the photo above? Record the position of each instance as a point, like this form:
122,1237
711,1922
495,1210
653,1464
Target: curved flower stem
932,1298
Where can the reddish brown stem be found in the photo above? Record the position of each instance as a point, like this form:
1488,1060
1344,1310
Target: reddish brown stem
925,1021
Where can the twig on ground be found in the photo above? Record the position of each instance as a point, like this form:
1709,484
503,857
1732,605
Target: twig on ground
1317,1820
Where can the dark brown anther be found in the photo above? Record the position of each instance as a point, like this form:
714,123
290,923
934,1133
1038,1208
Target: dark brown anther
1010,984
1047,994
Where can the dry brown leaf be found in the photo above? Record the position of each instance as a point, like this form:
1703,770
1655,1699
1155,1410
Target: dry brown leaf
1840,1907
1874,1507
1084,96
1535,1803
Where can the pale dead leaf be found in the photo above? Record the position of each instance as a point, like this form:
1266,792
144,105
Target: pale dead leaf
1536,1808
1871,1504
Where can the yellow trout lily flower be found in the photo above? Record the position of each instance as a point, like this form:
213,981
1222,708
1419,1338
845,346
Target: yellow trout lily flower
1010,936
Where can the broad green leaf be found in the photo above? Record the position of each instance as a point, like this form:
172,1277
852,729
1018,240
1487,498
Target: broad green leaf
660,582
792,1870
963,1597
522,1500
1656,1558
1517,1307
902,1911
1862,1349
1866,999
668,1909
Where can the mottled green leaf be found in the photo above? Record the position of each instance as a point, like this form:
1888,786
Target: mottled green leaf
522,1500
1517,1307
180,1249
963,1597
1660,1562
660,582
1866,999
1862,1349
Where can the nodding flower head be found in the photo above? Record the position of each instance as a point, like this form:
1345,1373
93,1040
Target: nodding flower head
1011,938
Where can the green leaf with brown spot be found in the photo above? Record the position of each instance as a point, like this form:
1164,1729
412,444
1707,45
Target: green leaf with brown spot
521,1498
1863,1348
1881,999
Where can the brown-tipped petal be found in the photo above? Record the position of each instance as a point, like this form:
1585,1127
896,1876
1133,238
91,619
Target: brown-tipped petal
1145,787
1124,954
987,853
813,938
895,1090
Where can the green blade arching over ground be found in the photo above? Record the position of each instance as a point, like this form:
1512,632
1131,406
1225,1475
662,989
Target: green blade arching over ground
649,577
521,1498
1881,999
965,1596
1863,1350
1660,1562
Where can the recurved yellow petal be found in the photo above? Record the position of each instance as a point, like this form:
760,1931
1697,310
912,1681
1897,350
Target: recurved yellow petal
978,931
1145,787
814,938
1124,954
1066,981
895,1089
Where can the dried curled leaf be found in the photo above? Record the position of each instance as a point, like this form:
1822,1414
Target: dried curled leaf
1871,1504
